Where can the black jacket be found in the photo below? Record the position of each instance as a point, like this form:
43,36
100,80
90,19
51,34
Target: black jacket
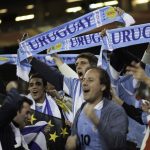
7,112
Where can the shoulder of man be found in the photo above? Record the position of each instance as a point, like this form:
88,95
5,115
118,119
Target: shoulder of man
112,106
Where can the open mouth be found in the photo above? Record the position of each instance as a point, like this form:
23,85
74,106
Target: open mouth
86,90
35,92
80,74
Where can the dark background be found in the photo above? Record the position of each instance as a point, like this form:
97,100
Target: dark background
49,14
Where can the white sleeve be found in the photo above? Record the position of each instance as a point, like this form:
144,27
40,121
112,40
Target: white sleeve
67,71
128,19
146,58
115,75
69,85
148,118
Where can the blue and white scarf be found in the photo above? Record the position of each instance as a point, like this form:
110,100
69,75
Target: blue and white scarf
85,23
12,59
8,58
20,141
24,67
49,106
122,37
68,30
77,43
34,134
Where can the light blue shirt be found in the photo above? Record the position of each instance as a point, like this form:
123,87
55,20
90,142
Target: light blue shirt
87,132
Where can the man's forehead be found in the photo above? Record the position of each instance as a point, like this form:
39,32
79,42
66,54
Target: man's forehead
25,104
34,80
82,59
91,72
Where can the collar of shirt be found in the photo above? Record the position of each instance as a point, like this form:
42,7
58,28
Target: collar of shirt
39,104
99,106
148,119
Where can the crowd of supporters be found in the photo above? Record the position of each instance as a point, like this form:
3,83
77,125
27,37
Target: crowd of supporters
102,108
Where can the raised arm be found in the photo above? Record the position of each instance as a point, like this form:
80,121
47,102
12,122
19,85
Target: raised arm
113,133
134,113
146,56
138,73
64,68
48,73
10,106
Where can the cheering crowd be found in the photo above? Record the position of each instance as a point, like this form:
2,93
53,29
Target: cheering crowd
104,103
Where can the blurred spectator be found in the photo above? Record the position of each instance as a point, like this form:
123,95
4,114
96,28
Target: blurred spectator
13,115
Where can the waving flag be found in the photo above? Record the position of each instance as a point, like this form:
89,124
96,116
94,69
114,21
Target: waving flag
12,59
61,37
122,37
8,58
36,137
85,23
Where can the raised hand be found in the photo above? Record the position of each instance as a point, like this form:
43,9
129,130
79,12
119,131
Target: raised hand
148,48
11,85
24,37
146,106
119,10
57,59
136,70
89,111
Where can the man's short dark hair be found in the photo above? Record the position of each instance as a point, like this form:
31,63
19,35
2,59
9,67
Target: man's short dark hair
36,75
25,100
90,57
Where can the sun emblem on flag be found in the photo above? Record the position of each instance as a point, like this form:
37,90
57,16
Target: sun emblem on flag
4,59
111,13
58,46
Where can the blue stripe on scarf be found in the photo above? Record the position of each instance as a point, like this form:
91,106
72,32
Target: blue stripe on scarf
11,59
34,146
85,23
48,108
77,43
122,37
32,129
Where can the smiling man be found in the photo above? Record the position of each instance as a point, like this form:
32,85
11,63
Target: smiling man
41,101
99,124
71,86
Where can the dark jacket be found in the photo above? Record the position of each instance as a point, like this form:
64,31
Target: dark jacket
7,112
50,74
113,126
134,113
